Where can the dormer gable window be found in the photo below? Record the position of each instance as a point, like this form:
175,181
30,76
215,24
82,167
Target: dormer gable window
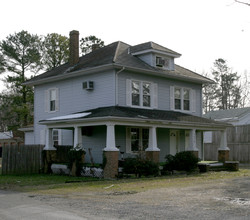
161,62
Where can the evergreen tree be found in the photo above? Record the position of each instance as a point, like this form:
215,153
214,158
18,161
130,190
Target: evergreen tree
208,96
21,55
227,91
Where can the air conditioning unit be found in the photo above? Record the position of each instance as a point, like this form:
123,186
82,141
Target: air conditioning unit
88,85
160,61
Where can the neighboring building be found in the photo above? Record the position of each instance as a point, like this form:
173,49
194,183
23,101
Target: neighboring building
239,116
28,134
121,98
238,138
7,138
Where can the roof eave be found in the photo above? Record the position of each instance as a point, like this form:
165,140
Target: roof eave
163,74
160,123
70,75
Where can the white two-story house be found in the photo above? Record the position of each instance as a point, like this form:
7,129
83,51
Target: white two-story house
121,98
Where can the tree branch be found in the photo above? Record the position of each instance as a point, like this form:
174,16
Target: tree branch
245,3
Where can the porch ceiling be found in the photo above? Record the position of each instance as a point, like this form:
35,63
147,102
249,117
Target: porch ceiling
128,115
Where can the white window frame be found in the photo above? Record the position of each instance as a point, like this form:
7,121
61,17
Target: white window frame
48,100
128,138
192,103
153,94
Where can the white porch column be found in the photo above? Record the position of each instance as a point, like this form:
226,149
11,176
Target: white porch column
192,141
77,136
152,141
223,141
110,138
49,143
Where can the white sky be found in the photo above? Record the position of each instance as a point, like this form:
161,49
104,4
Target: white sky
201,30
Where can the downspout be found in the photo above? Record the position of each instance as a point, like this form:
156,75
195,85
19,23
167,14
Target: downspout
116,84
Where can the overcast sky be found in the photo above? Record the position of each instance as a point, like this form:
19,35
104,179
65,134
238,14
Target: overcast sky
201,30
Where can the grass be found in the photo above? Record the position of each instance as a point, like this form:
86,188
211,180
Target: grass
56,185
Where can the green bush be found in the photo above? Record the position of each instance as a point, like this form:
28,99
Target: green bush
170,163
182,161
75,156
140,167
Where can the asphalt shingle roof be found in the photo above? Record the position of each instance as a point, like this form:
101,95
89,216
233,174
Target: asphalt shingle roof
119,53
147,114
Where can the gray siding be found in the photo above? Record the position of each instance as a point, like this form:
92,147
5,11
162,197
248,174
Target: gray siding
72,98
96,142
163,142
163,90
29,137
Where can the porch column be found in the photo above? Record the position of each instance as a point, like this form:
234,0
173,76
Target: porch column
223,151
152,152
111,153
77,136
50,151
48,143
192,143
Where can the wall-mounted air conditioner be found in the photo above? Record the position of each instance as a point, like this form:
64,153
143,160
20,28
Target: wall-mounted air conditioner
160,61
88,85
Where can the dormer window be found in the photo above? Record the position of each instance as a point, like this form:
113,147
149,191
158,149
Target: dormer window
162,62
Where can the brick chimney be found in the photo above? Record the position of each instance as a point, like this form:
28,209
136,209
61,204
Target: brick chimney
73,47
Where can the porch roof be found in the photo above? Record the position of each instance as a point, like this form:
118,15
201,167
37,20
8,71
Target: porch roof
137,114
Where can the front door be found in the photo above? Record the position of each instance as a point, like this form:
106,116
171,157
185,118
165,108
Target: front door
174,142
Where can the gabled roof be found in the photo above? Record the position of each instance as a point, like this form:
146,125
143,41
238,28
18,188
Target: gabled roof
137,114
116,55
228,114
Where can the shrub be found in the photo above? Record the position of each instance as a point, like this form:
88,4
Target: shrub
182,161
140,167
75,155
170,163
186,160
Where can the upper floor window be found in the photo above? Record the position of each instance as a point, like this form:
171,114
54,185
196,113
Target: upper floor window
141,94
162,62
181,99
51,100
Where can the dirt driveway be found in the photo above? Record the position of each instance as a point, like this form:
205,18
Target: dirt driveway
210,199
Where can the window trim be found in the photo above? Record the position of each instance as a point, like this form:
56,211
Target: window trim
192,104
48,100
153,94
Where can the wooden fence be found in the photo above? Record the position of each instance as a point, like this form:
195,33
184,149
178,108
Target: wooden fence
22,159
238,141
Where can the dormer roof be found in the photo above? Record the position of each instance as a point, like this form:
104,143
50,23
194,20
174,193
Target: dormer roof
152,47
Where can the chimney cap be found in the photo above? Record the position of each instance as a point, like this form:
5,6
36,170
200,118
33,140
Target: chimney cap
74,32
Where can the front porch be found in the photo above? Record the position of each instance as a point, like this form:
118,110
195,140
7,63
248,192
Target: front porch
122,137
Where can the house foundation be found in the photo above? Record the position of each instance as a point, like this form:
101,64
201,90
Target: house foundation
111,164
223,155
153,156
194,152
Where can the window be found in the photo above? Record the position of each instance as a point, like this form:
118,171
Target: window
141,93
186,99
181,99
55,137
137,139
51,100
